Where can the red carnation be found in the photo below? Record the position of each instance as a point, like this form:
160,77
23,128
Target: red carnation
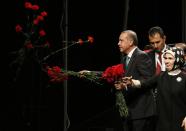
90,39
113,73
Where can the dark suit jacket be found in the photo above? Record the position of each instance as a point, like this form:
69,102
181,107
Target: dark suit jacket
151,54
140,101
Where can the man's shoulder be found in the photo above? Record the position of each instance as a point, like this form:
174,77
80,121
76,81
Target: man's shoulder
148,51
145,52
141,54
139,51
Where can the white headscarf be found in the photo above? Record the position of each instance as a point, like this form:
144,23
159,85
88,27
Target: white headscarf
178,54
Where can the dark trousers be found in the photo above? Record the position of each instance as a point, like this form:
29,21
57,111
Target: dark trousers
145,124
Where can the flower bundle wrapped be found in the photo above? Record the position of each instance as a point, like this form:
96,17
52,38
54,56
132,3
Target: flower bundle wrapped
58,75
111,75
114,74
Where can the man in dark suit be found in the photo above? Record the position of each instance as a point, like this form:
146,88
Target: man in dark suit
141,107
157,40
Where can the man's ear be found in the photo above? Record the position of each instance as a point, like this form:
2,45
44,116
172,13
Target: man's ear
131,42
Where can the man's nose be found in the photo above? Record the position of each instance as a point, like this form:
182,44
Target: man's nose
155,45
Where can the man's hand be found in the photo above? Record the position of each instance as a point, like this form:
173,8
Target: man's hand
82,73
127,81
124,83
119,85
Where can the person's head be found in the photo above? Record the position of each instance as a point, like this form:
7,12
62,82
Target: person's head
157,38
173,58
182,46
127,41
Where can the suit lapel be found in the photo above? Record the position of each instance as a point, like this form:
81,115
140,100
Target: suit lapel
131,60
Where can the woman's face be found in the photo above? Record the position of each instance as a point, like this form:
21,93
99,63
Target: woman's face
169,61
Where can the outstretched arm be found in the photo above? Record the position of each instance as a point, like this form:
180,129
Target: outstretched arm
127,82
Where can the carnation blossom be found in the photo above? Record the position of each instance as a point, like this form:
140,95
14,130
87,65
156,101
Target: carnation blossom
31,34
32,30
111,74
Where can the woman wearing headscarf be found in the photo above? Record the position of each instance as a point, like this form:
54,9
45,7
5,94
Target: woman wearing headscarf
171,91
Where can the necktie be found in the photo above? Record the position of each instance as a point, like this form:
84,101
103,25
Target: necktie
127,61
159,62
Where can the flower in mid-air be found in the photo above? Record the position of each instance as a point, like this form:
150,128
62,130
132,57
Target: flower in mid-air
32,28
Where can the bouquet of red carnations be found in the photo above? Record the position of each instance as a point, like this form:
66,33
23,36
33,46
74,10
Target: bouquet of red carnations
111,74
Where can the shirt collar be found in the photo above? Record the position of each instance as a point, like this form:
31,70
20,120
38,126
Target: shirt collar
165,47
131,52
